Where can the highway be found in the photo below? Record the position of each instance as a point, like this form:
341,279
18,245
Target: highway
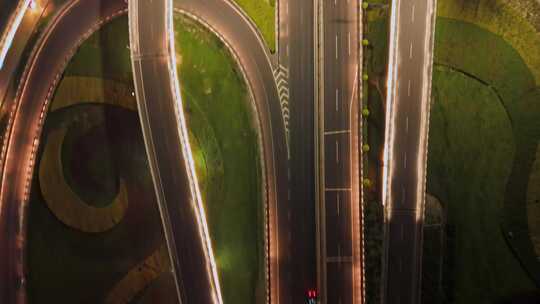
13,50
19,28
169,152
412,29
250,51
41,76
340,233
297,218
290,195
48,61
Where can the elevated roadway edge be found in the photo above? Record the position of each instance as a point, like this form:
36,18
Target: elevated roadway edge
28,109
171,163
411,41
339,158
27,112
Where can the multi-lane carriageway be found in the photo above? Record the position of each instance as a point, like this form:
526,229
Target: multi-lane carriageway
412,28
339,172
338,162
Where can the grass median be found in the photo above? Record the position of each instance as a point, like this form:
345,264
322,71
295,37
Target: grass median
263,14
375,62
225,146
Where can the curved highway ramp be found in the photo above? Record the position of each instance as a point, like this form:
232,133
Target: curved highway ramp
169,153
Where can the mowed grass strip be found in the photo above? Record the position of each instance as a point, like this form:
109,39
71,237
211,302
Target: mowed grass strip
105,54
263,14
533,203
470,160
498,67
375,60
225,146
76,89
501,18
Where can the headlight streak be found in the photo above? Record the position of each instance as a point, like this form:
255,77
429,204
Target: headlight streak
13,26
20,148
391,92
197,202
424,120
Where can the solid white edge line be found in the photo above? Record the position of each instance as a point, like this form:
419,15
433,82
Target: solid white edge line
189,162
390,95
10,34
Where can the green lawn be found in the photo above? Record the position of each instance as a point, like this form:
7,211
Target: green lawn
226,152
105,54
483,135
69,266
533,203
465,122
515,21
263,14
491,86
375,62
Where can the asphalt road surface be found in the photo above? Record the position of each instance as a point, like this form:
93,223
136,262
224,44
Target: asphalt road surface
249,49
48,64
340,230
12,62
45,68
411,59
294,213
169,153
298,254
254,58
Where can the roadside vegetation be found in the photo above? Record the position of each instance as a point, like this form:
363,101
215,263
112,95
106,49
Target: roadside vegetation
103,145
484,136
226,151
483,143
433,255
375,61
533,203
103,149
263,14
473,188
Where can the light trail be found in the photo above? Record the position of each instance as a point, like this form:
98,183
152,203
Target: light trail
425,114
165,58
21,145
406,78
197,201
21,93
390,95
356,195
269,180
13,26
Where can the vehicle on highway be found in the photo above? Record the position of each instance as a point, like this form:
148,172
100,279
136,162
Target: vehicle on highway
311,296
